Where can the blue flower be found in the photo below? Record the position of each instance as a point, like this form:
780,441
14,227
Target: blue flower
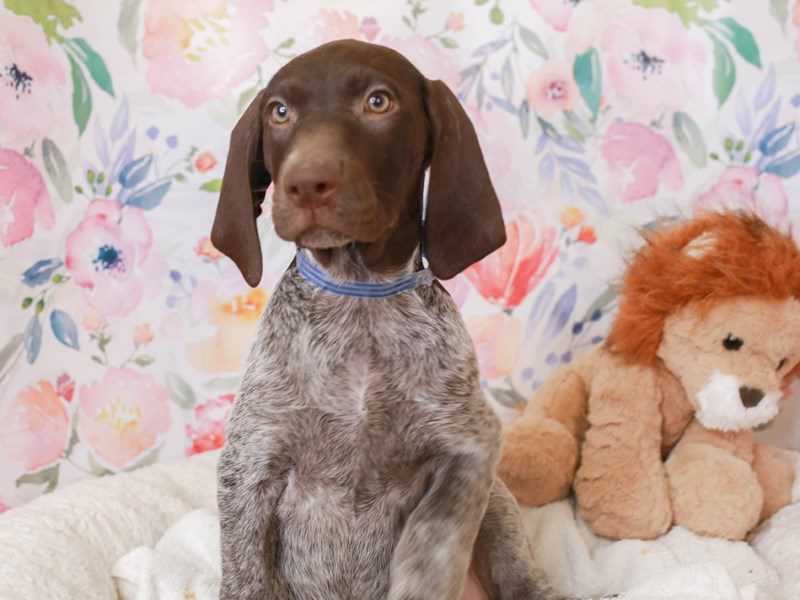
172,141
796,100
551,359
577,328
527,373
41,271
152,132
175,275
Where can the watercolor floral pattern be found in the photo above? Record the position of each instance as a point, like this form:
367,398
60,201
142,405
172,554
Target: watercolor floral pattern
123,328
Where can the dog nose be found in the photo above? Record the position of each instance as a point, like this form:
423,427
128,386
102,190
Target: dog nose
750,396
311,184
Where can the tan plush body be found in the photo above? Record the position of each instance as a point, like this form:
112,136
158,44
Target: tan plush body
691,393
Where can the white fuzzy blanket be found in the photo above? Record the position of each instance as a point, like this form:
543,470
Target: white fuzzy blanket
153,534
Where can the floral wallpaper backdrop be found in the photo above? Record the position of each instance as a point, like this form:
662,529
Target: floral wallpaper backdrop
121,326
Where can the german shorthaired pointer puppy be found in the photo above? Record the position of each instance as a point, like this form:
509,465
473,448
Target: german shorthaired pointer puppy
361,453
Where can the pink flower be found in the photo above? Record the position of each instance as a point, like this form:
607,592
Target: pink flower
587,235
744,187
454,21
551,89
107,256
200,50
33,80
571,216
458,288
35,427
796,23
208,431
24,199
123,415
94,320
639,161
205,162
497,342
654,64
506,276
555,12
142,335
369,28
65,387
205,249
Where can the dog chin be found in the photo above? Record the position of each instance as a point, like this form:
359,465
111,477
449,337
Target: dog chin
720,406
320,238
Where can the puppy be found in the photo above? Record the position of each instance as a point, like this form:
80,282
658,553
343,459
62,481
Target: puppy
361,453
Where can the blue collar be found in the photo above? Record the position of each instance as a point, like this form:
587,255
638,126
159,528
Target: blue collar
360,289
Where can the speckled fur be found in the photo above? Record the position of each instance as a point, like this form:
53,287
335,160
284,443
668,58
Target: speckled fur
361,454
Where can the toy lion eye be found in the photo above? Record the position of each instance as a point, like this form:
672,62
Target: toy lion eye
781,364
732,343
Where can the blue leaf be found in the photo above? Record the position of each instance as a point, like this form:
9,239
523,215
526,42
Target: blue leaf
541,304
766,125
565,183
541,143
776,140
489,48
561,313
32,338
784,166
765,91
504,104
743,114
546,166
101,145
120,123
577,167
124,156
570,144
41,271
64,328
592,197
133,173
150,196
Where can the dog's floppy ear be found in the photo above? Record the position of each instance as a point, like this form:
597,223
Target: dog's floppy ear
464,222
243,187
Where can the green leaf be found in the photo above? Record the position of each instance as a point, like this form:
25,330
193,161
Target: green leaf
9,354
128,25
81,97
48,476
603,300
48,14
496,15
508,398
507,78
480,2
724,71
148,459
222,384
780,10
741,38
81,49
532,41
95,467
144,360
179,391
287,43
587,74
524,118
215,185
448,42
57,170
73,436
687,10
690,138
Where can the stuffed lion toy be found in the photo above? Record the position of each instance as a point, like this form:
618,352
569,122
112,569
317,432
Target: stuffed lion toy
706,339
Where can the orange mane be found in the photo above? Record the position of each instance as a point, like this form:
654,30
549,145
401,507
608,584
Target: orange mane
748,258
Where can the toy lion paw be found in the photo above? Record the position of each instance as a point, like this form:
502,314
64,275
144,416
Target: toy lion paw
539,460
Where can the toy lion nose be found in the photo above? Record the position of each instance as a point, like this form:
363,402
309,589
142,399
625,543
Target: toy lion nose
750,396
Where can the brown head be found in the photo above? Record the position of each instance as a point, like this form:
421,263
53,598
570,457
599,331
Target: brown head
717,300
346,132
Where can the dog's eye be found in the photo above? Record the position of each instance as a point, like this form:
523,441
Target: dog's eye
781,364
279,113
732,343
378,102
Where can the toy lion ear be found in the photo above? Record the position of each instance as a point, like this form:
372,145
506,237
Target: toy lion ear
701,246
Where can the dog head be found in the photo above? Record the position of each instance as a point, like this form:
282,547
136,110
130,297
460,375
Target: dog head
345,132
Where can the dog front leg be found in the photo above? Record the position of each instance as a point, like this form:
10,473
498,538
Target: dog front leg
249,486
502,555
434,551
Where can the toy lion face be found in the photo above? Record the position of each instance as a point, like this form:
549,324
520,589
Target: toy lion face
717,299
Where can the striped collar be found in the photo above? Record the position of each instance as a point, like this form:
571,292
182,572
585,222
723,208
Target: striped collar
359,289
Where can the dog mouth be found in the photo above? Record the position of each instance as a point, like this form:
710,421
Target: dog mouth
318,237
